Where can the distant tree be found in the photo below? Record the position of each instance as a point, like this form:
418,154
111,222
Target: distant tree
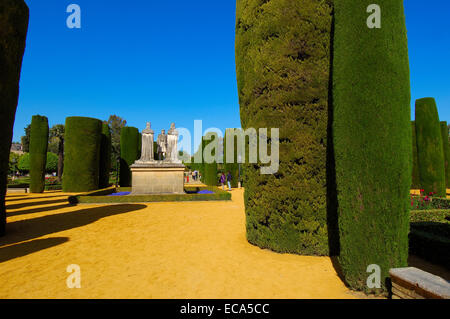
25,140
57,138
13,162
115,123
51,165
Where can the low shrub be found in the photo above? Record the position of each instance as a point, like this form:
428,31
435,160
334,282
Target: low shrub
429,235
101,197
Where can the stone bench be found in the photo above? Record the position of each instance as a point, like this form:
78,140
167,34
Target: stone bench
413,283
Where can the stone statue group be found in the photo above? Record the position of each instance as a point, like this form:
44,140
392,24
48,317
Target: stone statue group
166,145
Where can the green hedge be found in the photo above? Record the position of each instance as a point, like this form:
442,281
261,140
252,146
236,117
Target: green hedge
209,169
282,64
82,154
38,152
100,197
429,147
232,167
105,156
430,236
13,25
415,164
446,145
129,153
372,139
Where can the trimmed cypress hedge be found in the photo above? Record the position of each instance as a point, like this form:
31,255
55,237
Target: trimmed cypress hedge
105,156
101,197
282,64
446,145
209,169
13,32
415,166
129,153
430,152
372,139
38,152
82,154
232,167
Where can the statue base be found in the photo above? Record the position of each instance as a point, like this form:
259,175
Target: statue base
157,177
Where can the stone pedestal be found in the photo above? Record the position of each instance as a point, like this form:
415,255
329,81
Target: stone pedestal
157,177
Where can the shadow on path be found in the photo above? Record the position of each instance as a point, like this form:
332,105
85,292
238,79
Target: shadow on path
38,210
23,249
8,199
37,227
44,202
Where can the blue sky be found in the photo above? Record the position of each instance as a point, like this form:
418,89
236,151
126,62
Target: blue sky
163,61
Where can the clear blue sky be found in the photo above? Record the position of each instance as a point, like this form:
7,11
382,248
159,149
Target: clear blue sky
163,61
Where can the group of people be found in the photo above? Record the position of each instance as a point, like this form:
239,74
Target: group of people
227,179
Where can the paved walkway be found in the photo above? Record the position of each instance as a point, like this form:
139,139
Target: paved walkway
158,250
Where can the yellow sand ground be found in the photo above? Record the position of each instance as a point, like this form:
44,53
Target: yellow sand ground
157,250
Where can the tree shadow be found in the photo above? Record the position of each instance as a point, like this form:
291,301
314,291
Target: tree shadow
8,199
44,202
332,200
38,210
28,229
27,248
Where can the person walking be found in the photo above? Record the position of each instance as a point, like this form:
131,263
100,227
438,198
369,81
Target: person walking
229,178
222,181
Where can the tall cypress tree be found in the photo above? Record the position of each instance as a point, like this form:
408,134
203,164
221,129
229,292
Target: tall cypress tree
210,169
372,139
445,144
82,154
13,33
231,164
129,153
38,153
105,156
430,152
282,65
415,168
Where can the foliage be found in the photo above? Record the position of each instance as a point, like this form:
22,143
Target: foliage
38,152
101,196
25,140
210,169
82,154
233,166
415,168
51,163
57,143
13,162
372,139
430,152
105,156
446,145
282,63
115,124
129,153
14,16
